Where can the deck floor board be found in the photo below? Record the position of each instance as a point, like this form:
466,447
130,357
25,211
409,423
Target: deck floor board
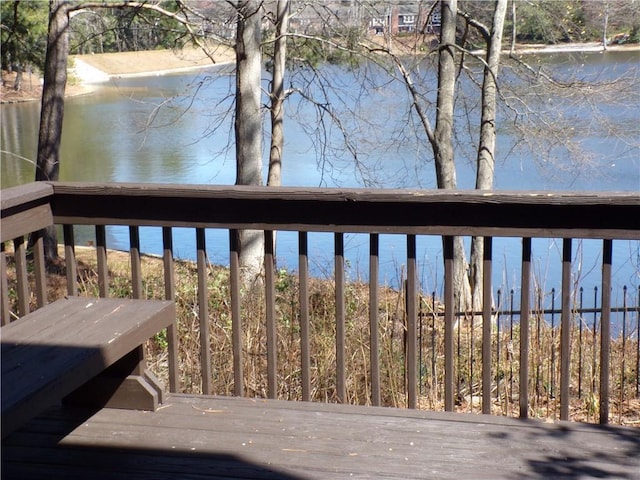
196,437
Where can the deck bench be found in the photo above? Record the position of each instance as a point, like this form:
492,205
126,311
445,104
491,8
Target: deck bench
81,351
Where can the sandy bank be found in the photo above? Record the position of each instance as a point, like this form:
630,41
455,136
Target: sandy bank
99,68
575,47
85,71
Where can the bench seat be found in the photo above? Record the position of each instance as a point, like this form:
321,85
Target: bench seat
52,352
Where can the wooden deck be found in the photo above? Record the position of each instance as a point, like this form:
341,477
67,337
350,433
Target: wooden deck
197,437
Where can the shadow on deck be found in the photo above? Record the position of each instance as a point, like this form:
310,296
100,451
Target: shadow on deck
197,437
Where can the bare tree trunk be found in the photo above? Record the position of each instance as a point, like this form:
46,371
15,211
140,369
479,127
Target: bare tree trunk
277,94
52,111
514,30
444,156
274,176
248,125
487,142
443,133
17,84
605,25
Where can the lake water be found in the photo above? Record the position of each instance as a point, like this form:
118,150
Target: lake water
139,130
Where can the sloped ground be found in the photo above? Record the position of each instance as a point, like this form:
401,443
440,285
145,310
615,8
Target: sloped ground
99,67
153,61
31,88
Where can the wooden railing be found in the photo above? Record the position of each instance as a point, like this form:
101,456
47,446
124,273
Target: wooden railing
526,215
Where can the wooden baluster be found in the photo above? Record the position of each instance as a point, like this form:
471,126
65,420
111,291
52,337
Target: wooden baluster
434,354
498,342
40,268
70,260
134,257
565,333
203,311
449,318
580,342
412,342
341,392
170,294
486,325
101,254
236,320
510,354
373,318
22,287
605,330
525,308
272,334
303,261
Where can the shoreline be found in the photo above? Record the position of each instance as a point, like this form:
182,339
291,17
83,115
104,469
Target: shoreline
591,47
91,71
102,67
87,72
90,76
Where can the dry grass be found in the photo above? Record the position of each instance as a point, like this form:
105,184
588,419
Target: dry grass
544,374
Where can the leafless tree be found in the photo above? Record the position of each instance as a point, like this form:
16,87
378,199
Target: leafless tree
52,110
607,16
485,169
277,94
248,124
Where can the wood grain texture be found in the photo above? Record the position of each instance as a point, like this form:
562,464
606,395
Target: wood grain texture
197,437
54,350
535,214
25,209
26,221
16,197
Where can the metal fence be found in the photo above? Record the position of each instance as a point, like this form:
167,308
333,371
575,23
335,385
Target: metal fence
544,355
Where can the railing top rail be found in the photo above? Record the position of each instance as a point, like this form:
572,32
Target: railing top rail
562,214
439,212
378,195
25,209
29,193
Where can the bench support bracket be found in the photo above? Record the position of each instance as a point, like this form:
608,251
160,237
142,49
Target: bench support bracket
126,384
